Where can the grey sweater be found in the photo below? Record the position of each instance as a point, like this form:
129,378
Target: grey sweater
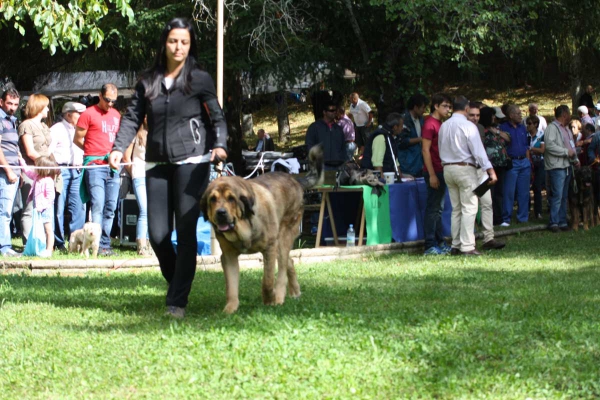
556,154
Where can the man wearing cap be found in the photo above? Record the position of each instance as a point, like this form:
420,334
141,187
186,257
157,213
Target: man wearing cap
584,115
9,177
95,134
534,111
70,157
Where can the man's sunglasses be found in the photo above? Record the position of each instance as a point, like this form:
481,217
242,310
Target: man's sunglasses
106,99
331,110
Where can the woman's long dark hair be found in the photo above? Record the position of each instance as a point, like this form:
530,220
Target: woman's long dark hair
486,117
153,77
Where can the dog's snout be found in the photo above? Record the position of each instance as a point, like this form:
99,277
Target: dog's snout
221,211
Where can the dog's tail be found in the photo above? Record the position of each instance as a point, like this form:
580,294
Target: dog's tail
314,176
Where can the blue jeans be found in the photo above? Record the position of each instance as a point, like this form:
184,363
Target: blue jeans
70,195
559,180
517,179
8,191
139,188
103,185
433,211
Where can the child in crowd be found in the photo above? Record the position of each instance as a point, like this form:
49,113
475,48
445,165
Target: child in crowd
43,192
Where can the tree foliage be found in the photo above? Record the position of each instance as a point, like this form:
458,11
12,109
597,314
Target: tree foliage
71,25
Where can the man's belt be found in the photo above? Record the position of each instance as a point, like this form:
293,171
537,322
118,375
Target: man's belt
349,141
519,158
462,164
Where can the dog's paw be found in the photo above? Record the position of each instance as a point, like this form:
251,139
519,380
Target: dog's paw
230,308
294,292
268,297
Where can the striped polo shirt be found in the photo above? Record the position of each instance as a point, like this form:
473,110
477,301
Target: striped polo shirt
10,139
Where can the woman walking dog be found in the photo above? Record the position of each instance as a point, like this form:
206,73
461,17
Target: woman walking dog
185,122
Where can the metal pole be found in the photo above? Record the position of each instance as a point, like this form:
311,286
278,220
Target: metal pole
220,51
214,244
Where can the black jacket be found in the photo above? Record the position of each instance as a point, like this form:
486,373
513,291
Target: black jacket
269,145
332,139
180,125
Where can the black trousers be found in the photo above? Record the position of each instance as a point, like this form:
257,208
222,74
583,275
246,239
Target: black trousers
175,190
498,195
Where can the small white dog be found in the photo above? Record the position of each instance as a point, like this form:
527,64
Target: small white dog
83,239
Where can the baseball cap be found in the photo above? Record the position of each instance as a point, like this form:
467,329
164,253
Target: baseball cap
73,106
499,113
583,109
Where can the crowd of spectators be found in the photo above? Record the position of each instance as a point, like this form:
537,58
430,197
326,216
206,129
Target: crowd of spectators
82,137
527,156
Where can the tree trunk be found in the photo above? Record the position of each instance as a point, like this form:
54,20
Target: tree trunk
283,120
576,86
233,113
359,36
247,125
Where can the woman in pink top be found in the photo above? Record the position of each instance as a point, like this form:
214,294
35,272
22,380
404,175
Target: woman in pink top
42,193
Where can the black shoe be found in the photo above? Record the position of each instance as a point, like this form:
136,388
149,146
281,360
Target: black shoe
106,252
61,249
554,229
493,245
454,251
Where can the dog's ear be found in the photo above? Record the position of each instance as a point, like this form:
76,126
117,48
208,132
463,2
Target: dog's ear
204,205
248,202
246,197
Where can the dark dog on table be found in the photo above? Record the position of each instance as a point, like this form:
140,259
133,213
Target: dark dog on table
581,199
260,215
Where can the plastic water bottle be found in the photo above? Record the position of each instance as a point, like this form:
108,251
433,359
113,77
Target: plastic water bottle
350,237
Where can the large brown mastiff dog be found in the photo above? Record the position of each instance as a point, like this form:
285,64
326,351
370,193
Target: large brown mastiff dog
260,215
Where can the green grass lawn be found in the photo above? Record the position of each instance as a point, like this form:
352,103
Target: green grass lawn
520,323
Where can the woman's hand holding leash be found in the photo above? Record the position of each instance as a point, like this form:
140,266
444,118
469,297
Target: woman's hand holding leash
218,155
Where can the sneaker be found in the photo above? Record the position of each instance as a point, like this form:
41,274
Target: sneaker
433,251
175,312
505,224
444,247
11,253
106,252
493,245
46,253
313,230
539,216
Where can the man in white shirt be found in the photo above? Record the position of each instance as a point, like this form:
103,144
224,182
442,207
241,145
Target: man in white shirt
462,152
363,120
534,111
67,155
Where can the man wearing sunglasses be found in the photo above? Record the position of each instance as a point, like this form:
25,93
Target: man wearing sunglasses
95,134
326,132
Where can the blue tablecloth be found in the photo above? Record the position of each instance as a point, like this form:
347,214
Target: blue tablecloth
407,211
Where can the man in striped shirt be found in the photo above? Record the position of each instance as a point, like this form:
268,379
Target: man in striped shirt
9,175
